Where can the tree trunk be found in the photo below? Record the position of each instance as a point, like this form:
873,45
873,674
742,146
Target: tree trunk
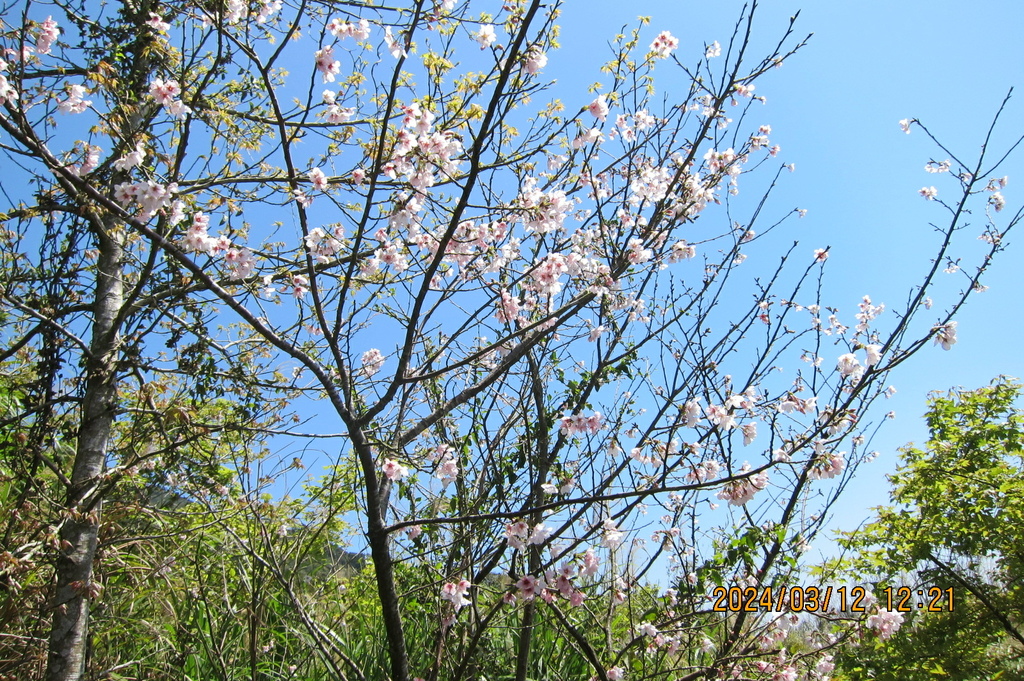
80,527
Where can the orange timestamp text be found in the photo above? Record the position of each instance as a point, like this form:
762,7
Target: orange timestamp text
790,599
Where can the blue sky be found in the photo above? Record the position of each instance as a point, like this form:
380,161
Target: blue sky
834,108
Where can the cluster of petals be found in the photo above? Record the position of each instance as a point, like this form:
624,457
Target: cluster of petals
739,492
335,113
704,471
132,159
237,10
945,335
344,29
8,93
318,179
89,162
580,424
849,366
157,23
535,61
663,45
456,592
651,184
324,246
485,36
545,278
997,201
48,34
150,196
728,161
395,46
867,313
394,471
591,136
447,465
419,154
75,102
722,416
996,198
300,286
372,361
241,263
326,64
198,240
885,622
541,211
826,465
792,403
612,536
519,535
599,108
166,93
682,251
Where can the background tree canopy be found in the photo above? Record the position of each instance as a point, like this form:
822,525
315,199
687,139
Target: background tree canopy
955,523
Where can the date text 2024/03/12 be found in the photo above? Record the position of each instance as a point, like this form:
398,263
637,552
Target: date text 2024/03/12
822,599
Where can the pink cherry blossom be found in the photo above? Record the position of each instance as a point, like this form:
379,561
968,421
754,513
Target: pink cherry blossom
540,534
164,92
827,465
300,286
535,61
157,24
131,159
885,622
739,492
394,470
664,44
749,432
48,34
591,564
455,593
714,50
241,263
7,91
343,29
530,587
599,108
905,125
327,64
945,335
578,423
613,537
928,192
485,36
848,365
372,361
682,251
874,353
92,159
395,46
74,104
318,179
997,201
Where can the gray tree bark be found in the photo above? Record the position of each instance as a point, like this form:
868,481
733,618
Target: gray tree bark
80,527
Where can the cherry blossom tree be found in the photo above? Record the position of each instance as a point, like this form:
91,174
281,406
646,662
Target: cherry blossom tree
527,318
